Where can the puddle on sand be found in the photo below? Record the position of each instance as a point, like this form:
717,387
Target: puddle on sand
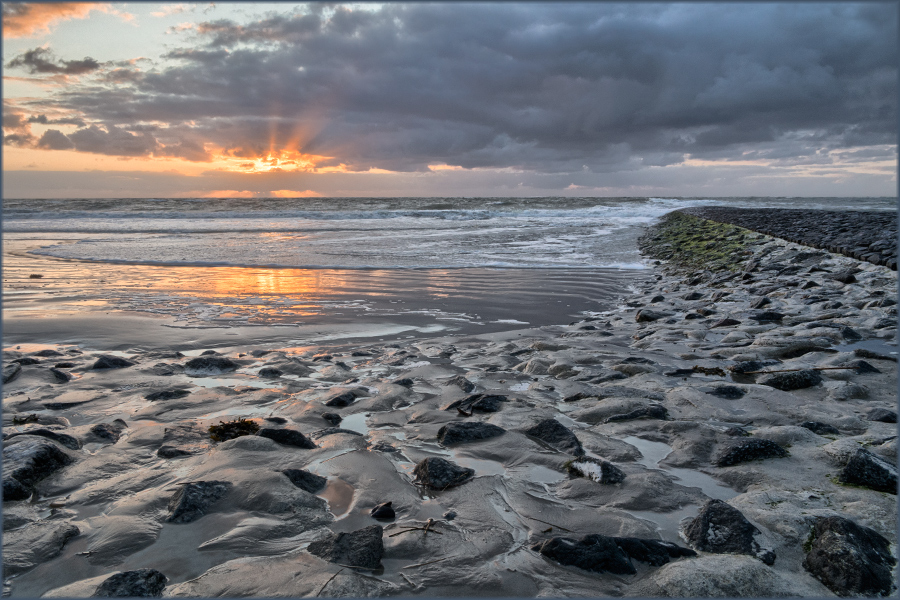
653,452
213,382
880,346
668,525
356,422
339,495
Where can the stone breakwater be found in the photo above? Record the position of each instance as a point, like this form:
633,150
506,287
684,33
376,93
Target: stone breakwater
866,236
728,430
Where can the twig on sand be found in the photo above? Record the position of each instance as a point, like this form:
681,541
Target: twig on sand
408,580
425,529
793,370
548,523
429,524
321,589
430,562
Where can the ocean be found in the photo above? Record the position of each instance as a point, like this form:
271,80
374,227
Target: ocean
335,268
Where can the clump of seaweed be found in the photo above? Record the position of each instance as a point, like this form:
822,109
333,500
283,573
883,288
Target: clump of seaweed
231,430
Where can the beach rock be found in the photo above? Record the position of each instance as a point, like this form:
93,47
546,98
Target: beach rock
868,470
820,428
767,316
383,511
460,433
722,529
647,316
172,394
554,433
25,548
693,296
760,302
842,277
439,473
203,366
270,372
461,382
728,392
749,366
478,402
142,583
533,366
600,471
47,353
171,452
287,437
651,411
863,353
331,431
26,461
332,418
793,381
882,415
600,553
11,371
361,548
60,438
107,361
341,400
60,376
26,360
405,382
306,481
193,500
850,559
861,367
622,391
727,322
109,432
747,450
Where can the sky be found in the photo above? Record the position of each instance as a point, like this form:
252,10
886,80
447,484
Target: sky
449,99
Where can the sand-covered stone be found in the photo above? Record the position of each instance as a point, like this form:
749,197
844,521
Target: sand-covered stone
306,481
868,470
141,583
722,529
792,381
602,553
108,361
465,432
287,437
601,471
203,366
194,499
361,548
26,461
557,435
747,450
439,473
34,544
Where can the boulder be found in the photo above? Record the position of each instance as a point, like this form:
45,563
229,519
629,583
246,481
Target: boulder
287,437
478,402
26,461
107,361
882,415
850,559
602,553
203,366
747,450
142,583
361,548
868,470
557,435
341,400
722,529
439,473
793,381
270,372
460,433
383,511
193,500
600,471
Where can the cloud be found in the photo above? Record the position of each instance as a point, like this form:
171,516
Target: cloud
546,88
53,139
42,60
30,19
294,194
171,9
229,194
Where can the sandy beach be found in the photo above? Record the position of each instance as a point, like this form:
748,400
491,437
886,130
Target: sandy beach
711,434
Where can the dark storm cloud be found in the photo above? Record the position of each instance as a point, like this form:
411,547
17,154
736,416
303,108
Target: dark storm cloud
41,60
552,88
53,139
43,120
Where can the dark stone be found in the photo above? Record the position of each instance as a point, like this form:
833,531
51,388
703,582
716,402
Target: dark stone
793,381
277,420
63,405
719,295
692,316
680,373
705,311
725,323
646,315
736,432
479,402
11,371
171,452
270,372
850,559
747,450
554,433
109,431
209,365
861,367
306,481
438,473
461,382
331,431
142,583
27,461
722,529
863,353
64,365
361,548
693,296
107,361
27,360
767,316
600,553
209,353
332,418
47,353
820,428
850,335
60,438
60,376
405,382
883,415
868,470
729,392
287,437
843,277
652,411
657,298
193,499
601,471
460,433
383,511
341,400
